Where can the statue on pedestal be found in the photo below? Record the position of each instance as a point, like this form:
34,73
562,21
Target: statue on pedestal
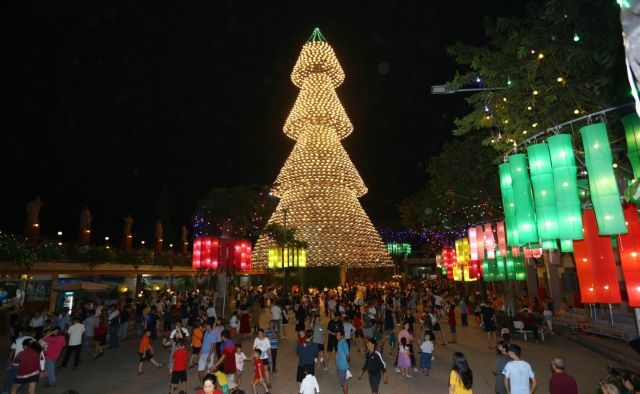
183,240
159,230
85,219
33,211
128,224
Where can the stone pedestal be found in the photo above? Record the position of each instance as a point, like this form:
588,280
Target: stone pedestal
127,242
84,237
33,233
157,247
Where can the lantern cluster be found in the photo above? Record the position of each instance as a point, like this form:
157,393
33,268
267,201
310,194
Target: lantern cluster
318,185
225,253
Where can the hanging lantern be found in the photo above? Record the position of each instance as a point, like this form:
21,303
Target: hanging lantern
242,258
544,194
205,253
516,251
448,261
566,245
523,198
565,175
595,264
629,248
489,241
289,256
549,244
480,241
473,271
602,182
473,243
631,125
502,239
508,204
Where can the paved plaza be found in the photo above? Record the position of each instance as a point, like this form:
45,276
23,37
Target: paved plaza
116,371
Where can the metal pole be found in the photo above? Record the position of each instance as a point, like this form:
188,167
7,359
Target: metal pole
285,291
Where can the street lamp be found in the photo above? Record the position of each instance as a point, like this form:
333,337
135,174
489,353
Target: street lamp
444,89
106,242
59,238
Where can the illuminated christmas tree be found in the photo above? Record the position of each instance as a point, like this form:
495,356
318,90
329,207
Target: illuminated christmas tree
319,186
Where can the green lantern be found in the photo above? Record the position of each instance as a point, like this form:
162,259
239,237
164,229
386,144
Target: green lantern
566,245
511,226
565,182
523,199
631,125
544,194
602,182
549,244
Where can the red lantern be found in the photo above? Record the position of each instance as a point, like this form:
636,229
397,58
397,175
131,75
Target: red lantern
502,239
629,248
595,264
474,269
449,260
205,253
242,260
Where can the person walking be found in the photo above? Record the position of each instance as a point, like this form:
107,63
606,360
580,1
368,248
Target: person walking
114,326
374,366
273,334
461,376
263,344
342,361
28,367
518,375
309,384
561,382
489,322
145,350
427,352
75,332
207,351
498,366
307,352
54,345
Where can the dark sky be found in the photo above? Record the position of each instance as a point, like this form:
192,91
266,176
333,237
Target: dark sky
113,106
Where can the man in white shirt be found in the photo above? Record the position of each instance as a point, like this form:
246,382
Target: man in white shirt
75,332
518,375
211,314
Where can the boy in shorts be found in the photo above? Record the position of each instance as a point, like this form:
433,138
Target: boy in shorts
240,359
145,350
179,370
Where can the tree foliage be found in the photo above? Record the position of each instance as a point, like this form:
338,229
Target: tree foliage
463,190
562,60
247,207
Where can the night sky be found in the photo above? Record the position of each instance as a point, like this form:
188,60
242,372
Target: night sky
126,107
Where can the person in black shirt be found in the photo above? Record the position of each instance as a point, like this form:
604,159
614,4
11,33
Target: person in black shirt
333,327
374,365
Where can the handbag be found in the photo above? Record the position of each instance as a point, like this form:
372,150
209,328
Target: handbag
349,374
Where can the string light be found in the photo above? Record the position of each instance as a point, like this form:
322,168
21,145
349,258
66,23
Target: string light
576,37
318,185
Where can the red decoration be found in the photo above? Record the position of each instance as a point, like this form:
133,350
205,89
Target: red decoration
629,248
449,260
227,253
502,239
595,264
489,241
205,253
474,269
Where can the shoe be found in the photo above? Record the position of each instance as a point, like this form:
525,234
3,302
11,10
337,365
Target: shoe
325,368
160,365
397,369
415,370
408,376
140,373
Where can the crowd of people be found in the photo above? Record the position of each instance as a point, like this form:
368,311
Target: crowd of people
403,322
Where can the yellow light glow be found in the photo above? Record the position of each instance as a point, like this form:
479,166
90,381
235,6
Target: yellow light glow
560,79
540,56
318,185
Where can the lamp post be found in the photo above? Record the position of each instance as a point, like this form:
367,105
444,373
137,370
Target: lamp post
285,291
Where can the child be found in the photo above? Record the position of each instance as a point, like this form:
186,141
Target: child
222,381
145,350
179,370
196,343
240,359
393,341
258,371
404,360
426,353
309,384
505,333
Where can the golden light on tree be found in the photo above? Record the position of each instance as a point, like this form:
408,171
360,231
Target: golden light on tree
318,185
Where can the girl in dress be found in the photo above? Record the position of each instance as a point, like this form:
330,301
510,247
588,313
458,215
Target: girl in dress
245,322
404,358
